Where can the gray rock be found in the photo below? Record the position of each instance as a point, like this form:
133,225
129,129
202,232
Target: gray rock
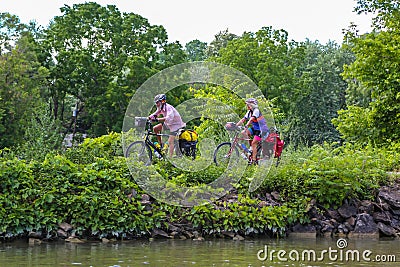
335,215
159,232
365,224
342,229
396,213
173,228
382,217
238,238
145,197
300,228
34,235
349,226
351,221
386,229
327,227
390,196
61,233
275,195
366,206
228,233
347,211
65,226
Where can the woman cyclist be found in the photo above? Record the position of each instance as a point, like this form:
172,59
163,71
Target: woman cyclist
256,126
171,120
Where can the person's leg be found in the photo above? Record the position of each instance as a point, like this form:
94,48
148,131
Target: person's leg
246,133
246,136
171,141
254,144
157,129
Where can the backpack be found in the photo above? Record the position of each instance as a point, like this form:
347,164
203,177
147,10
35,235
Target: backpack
188,135
278,147
279,143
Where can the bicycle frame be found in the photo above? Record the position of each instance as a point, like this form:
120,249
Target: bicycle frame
235,143
225,150
147,140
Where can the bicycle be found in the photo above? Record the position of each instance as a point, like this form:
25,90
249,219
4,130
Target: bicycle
144,148
227,150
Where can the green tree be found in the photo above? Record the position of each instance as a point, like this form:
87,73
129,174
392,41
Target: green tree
171,55
302,79
264,57
196,50
42,135
99,57
320,93
22,79
221,40
10,30
375,74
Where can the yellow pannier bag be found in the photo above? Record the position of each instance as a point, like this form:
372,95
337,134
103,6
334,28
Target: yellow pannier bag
189,135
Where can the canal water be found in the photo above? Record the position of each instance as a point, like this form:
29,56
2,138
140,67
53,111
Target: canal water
211,252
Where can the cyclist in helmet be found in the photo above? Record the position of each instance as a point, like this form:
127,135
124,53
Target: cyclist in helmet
256,126
171,120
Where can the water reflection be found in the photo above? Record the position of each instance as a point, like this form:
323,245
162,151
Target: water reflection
216,252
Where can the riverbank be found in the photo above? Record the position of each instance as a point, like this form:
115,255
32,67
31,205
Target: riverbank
89,194
355,218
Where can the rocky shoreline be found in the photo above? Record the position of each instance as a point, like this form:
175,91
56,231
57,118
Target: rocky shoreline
355,218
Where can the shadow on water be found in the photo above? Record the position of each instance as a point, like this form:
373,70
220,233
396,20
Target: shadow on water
214,252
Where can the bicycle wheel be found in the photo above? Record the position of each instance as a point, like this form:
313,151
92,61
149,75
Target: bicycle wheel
139,151
222,156
188,149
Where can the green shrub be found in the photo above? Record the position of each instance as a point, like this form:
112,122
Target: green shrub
328,174
89,186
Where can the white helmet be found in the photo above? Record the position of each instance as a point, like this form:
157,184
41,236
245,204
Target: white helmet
160,97
252,102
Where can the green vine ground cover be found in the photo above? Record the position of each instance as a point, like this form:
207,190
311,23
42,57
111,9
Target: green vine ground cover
89,187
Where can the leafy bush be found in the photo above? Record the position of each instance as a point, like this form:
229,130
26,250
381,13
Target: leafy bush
328,174
89,186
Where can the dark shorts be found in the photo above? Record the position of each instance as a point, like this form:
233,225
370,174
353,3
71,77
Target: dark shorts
254,132
167,131
258,135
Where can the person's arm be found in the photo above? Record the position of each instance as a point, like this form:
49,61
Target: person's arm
252,118
246,117
241,122
154,116
161,119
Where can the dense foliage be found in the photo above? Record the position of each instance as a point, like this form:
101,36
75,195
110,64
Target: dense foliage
373,113
337,106
90,60
90,187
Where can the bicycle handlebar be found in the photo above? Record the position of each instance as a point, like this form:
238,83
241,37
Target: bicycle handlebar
231,126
